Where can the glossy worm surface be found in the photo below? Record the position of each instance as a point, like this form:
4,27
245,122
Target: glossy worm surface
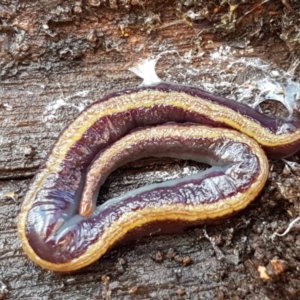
61,228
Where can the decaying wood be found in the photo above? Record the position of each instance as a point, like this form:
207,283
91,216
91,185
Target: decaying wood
59,56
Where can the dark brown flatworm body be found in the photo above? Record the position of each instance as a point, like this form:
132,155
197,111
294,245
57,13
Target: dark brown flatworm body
104,136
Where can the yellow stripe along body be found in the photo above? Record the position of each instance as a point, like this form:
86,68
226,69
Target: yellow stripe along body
134,102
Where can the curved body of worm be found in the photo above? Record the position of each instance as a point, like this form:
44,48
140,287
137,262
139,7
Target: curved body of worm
61,228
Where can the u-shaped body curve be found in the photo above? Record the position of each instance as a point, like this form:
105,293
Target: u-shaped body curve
50,209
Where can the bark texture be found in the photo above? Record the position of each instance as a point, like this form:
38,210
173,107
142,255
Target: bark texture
56,57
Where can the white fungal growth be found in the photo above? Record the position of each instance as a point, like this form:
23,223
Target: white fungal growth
52,107
291,225
145,69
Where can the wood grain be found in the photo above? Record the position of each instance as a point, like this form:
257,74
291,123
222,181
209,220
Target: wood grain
58,56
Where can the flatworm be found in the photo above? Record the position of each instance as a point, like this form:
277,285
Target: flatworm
59,225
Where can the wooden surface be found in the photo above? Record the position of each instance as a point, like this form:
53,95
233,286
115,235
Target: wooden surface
58,56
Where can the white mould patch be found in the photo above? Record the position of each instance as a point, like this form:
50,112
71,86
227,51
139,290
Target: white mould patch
222,53
50,110
245,79
145,69
270,84
7,106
